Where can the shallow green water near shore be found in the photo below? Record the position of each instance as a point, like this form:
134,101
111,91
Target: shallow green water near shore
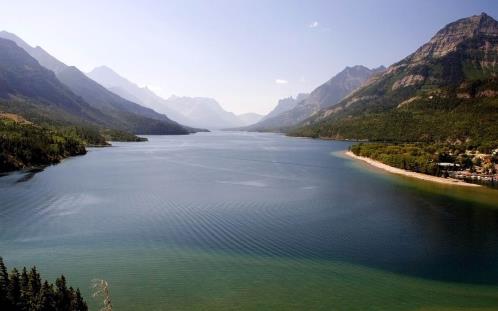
231,221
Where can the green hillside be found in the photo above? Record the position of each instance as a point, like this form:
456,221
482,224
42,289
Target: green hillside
446,91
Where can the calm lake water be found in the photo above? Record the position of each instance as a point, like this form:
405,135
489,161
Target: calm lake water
243,221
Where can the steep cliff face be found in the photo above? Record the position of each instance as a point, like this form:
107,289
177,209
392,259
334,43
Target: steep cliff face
448,40
446,89
461,52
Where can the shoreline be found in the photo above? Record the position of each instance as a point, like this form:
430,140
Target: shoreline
398,171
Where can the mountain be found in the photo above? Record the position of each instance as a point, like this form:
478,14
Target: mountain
194,111
249,118
44,58
132,92
447,90
129,115
32,91
203,112
323,96
120,113
286,104
24,83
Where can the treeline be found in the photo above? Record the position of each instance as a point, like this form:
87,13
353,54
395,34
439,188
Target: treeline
25,145
115,135
418,157
56,119
424,120
26,291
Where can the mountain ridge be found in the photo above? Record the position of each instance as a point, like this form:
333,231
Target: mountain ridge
327,94
194,111
286,104
120,114
447,87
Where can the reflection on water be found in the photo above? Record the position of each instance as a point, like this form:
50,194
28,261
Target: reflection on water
268,199
30,174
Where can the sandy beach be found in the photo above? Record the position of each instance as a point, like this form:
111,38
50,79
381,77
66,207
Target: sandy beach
394,170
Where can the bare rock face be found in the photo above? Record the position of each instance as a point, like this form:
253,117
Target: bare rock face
457,66
461,52
407,81
450,37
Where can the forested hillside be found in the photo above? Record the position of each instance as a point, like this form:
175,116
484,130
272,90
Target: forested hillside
446,91
23,144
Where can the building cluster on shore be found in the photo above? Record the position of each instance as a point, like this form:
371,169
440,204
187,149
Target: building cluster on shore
483,168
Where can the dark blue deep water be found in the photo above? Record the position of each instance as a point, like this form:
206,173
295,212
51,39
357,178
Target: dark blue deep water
157,217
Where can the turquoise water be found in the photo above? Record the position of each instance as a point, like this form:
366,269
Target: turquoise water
251,222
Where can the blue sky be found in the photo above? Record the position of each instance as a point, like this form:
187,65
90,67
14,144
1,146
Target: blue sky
246,54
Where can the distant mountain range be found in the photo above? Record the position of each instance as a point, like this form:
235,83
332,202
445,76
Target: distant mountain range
447,90
115,83
290,112
64,86
194,111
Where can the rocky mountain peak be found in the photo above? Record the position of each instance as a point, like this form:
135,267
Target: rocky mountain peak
452,35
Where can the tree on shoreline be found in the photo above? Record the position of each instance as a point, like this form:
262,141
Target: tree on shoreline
26,291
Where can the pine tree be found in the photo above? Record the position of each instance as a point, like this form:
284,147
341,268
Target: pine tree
4,287
14,289
78,304
4,276
25,292
34,288
47,298
62,295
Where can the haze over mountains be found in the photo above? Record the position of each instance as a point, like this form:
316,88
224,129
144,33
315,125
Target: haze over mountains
250,118
106,77
112,94
27,83
194,111
447,90
286,104
432,86
128,107
64,87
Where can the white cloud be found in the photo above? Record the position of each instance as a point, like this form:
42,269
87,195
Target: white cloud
281,81
313,24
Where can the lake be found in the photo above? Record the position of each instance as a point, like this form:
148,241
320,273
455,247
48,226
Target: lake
245,221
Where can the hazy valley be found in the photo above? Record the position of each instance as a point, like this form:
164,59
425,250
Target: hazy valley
144,180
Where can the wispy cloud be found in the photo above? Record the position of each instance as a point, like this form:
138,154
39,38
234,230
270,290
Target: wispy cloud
313,24
281,81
